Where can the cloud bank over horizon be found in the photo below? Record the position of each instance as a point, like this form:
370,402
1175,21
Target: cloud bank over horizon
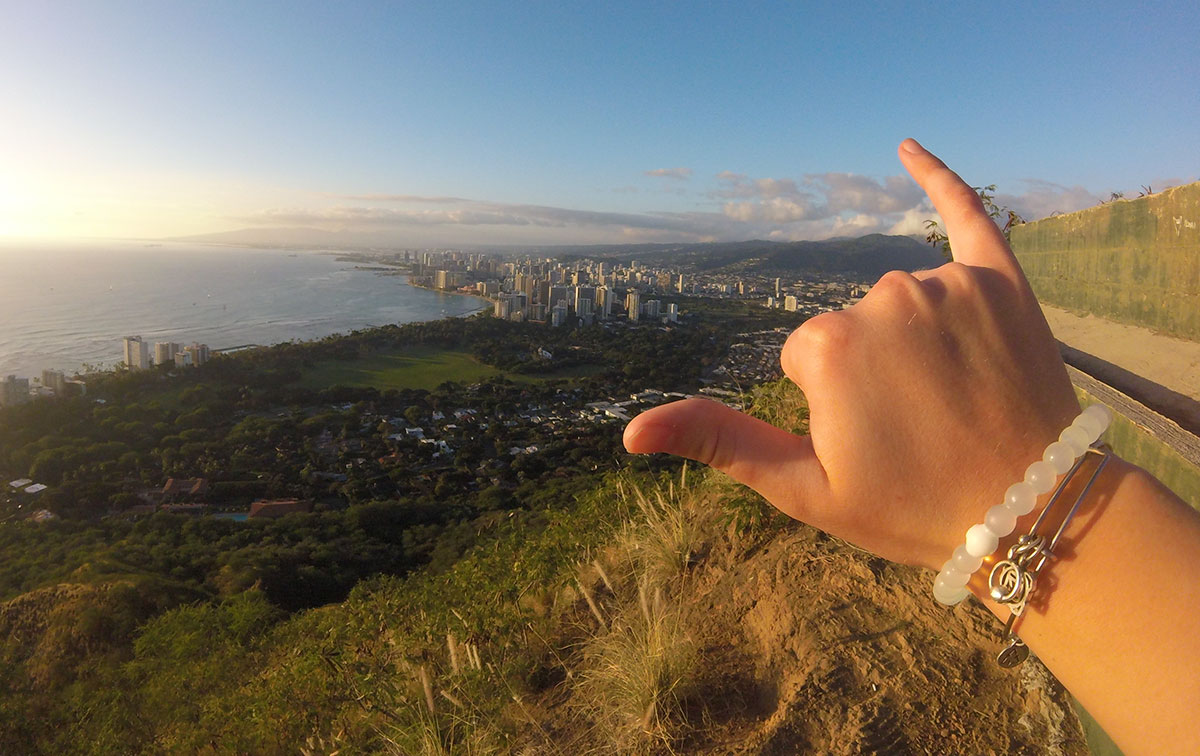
733,207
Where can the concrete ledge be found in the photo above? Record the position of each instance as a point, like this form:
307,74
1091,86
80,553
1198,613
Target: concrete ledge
1146,438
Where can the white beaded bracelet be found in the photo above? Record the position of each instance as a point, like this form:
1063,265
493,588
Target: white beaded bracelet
949,587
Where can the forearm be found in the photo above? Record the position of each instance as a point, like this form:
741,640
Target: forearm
1117,621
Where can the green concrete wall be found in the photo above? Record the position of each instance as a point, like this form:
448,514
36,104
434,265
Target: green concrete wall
1132,261
1132,443
1136,262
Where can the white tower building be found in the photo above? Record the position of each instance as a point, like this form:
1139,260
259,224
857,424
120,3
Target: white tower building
137,353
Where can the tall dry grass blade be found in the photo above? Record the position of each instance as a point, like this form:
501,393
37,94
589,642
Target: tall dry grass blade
452,647
603,575
427,686
645,606
648,717
591,602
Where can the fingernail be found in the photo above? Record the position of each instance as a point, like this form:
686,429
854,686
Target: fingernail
631,433
913,147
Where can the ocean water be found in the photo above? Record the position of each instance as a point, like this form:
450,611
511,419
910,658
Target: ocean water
65,305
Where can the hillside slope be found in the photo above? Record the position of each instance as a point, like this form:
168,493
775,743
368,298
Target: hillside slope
670,614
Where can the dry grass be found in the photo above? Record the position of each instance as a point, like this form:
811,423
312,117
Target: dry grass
781,404
445,725
671,529
640,665
632,664
638,675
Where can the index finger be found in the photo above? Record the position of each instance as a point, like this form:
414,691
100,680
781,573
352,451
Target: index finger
974,237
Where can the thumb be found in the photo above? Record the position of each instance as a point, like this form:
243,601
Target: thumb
779,465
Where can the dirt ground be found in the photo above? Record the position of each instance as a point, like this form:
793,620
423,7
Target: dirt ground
822,648
810,646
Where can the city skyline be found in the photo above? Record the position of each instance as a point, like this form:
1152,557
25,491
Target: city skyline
464,124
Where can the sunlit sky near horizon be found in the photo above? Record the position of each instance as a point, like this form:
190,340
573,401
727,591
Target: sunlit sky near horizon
525,123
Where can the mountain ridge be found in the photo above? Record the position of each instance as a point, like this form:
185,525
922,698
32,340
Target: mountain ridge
868,256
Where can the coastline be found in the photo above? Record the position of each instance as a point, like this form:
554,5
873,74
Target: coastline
229,351
189,296
489,300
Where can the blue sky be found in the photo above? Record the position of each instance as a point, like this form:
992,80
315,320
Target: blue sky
457,123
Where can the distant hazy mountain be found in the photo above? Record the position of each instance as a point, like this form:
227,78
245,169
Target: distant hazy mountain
869,256
865,256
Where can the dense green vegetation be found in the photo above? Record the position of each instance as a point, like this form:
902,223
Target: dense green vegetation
254,426
173,632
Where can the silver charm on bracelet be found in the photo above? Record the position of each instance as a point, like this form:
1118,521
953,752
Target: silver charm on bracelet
1012,580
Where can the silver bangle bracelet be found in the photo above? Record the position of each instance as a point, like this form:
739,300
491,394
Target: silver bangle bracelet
1013,579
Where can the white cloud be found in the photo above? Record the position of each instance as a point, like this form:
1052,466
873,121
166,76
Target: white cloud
400,198
1043,198
678,174
493,216
912,221
738,185
851,192
774,210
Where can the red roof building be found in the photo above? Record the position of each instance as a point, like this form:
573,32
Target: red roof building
278,507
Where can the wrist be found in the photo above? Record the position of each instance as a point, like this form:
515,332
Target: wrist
1046,477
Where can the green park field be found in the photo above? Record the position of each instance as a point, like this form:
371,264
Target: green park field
413,368
420,367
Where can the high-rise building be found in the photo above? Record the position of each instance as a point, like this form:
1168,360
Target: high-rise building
673,312
633,305
558,315
604,297
585,294
651,309
137,353
563,295
447,279
55,380
13,391
165,351
777,288
679,284
789,303
183,359
198,352
583,309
